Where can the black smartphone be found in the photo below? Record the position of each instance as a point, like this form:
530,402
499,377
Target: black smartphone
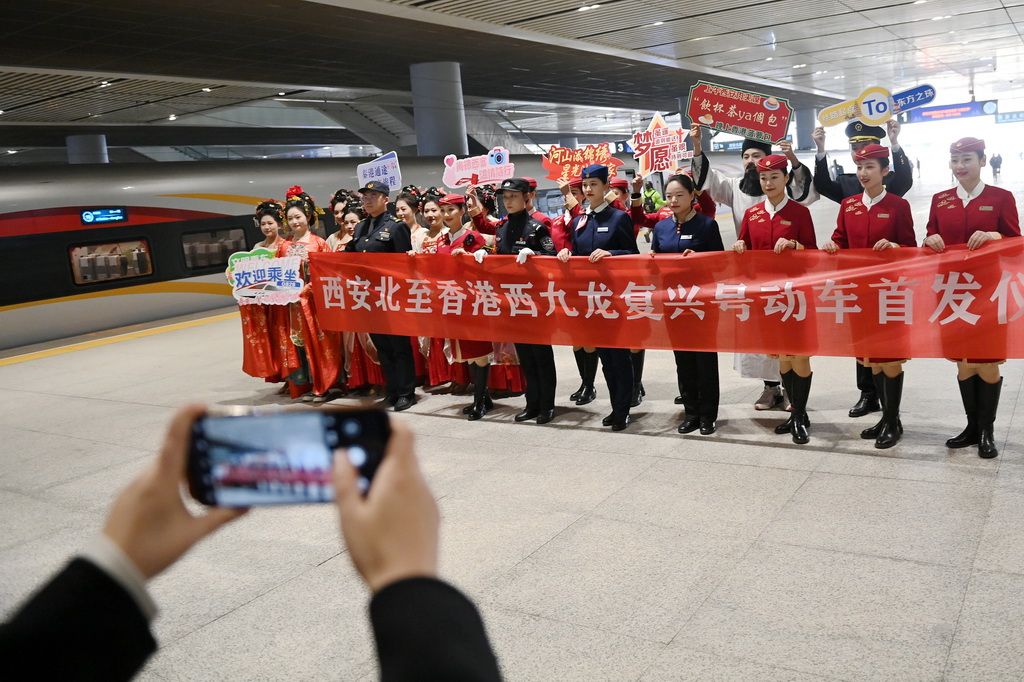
241,457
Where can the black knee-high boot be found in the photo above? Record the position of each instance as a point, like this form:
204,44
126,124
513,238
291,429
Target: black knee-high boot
638,374
481,398
891,395
988,403
589,394
871,432
800,424
787,384
581,365
969,396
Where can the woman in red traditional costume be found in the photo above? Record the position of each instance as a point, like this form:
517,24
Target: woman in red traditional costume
440,369
344,210
267,349
779,224
877,220
322,349
974,214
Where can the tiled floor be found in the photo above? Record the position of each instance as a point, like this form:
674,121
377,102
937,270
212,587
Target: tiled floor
592,555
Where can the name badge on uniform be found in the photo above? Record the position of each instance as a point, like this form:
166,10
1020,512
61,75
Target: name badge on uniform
883,215
787,223
686,236
602,229
384,236
985,208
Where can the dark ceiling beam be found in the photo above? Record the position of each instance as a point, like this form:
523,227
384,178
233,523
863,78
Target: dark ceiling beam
28,135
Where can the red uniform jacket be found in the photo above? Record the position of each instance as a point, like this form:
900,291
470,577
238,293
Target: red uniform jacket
468,240
858,227
760,232
484,223
994,210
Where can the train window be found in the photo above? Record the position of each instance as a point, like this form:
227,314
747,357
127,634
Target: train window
209,249
104,262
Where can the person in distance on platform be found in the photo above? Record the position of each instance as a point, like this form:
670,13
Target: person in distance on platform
321,348
688,231
974,214
898,181
879,220
464,240
522,236
379,233
91,621
601,232
741,193
781,224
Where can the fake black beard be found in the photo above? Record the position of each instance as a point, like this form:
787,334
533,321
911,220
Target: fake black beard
751,182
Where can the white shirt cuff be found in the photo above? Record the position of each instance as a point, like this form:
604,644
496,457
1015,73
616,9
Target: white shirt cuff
895,148
819,155
102,551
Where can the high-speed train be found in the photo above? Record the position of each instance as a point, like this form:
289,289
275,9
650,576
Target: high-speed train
95,247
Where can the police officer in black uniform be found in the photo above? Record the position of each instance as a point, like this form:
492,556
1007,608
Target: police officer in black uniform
601,232
380,233
899,181
523,236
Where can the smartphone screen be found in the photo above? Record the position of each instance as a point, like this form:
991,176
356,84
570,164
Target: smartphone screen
281,457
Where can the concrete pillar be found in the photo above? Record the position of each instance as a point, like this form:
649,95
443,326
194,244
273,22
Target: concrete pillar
87,149
806,122
568,141
438,109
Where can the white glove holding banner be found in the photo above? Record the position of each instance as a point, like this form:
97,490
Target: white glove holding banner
479,255
524,254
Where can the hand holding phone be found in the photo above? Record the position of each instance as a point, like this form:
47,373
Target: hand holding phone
249,458
392,532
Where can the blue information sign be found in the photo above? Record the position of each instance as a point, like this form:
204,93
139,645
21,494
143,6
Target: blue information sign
915,97
98,216
1010,117
951,111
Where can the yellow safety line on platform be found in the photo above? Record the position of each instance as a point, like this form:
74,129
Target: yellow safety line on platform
96,343
211,288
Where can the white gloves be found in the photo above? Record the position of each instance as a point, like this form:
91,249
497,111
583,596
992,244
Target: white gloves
479,255
524,254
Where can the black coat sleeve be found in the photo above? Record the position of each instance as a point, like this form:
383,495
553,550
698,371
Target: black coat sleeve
427,630
401,236
715,237
541,241
902,177
625,239
81,625
823,182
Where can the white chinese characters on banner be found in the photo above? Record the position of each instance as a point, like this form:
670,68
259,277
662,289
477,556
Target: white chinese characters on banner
787,302
267,281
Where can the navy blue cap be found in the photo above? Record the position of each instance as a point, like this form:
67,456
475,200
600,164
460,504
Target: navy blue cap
858,131
515,185
376,186
596,171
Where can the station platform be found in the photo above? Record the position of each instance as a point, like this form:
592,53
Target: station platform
641,555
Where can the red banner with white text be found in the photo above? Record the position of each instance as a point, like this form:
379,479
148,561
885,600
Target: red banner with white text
905,302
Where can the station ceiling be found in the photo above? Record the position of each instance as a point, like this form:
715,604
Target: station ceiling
126,62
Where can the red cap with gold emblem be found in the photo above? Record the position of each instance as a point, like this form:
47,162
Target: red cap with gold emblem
967,144
532,182
452,200
871,151
621,183
771,163
576,182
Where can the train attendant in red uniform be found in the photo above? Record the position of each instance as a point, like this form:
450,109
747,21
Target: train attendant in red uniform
462,240
780,224
322,348
974,214
481,205
879,220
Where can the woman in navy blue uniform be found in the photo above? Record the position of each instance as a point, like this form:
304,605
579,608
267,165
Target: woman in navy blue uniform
601,232
686,232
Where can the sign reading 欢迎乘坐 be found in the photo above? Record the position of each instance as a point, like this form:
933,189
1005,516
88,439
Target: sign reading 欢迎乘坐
947,112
